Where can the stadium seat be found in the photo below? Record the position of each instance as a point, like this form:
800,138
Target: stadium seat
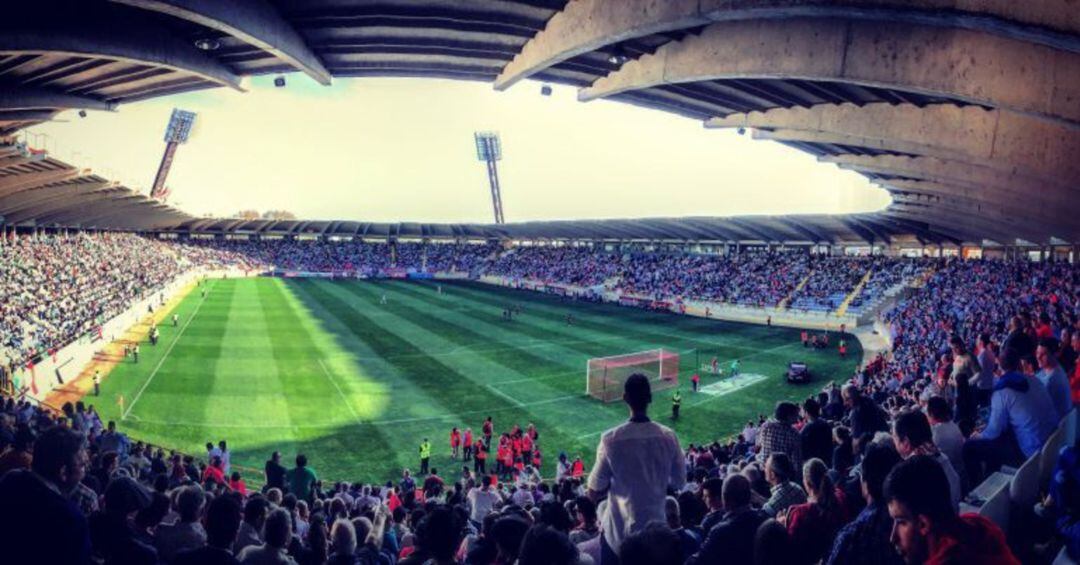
1068,424
1063,558
1024,487
997,508
1048,457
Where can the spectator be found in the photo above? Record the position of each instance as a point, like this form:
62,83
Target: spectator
784,492
482,500
508,532
274,471
223,518
816,435
114,538
926,528
544,545
731,540
912,436
635,464
865,541
772,545
812,525
947,436
654,544
1022,416
278,532
984,383
1053,376
343,538
187,533
301,479
865,416
712,494
250,534
690,538
586,528
1018,340
33,499
778,435
19,455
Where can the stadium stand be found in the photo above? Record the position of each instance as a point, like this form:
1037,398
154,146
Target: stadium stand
959,301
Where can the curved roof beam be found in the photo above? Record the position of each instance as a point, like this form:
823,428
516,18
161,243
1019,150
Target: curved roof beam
89,214
142,42
942,216
587,25
15,183
38,196
28,98
1007,212
990,199
256,22
79,208
919,229
975,67
61,202
975,176
943,129
954,232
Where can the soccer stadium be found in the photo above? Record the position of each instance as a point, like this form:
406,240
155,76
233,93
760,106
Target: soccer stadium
382,378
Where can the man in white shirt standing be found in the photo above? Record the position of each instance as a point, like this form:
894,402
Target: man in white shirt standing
636,462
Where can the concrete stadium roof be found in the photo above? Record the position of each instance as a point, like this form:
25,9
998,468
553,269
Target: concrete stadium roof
38,190
967,111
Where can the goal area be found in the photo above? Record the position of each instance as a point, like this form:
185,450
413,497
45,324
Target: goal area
606,375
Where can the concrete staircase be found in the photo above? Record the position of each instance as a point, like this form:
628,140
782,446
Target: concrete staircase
842,310
783,304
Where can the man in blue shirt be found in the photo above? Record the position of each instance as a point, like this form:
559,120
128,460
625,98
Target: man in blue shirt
1053,377
1021,418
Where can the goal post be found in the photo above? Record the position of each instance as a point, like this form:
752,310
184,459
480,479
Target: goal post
605,375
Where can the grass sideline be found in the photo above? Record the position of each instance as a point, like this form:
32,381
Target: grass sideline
321,367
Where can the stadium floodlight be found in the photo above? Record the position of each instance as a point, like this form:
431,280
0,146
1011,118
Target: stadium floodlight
178,131
489,150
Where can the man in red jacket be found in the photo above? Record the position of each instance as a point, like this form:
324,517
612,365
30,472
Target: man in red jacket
926,528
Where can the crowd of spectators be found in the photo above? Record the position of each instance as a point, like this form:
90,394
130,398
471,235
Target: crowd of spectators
55,289
982,369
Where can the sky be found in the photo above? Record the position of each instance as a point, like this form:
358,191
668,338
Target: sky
401,149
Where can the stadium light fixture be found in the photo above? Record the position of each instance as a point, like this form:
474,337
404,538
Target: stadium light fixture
618,56
489,150
279,81
207,44
545,90
82,113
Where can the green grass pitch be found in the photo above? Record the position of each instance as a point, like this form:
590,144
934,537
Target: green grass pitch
323,368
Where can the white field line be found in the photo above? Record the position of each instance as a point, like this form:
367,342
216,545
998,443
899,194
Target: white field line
509,398
339,391
161,361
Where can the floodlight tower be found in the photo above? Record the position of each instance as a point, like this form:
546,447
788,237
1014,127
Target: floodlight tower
177,132
489,150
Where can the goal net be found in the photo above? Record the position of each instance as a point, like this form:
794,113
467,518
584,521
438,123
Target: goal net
606,375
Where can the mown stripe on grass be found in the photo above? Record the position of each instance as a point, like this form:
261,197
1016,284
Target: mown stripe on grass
598,317
521,361
438,379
